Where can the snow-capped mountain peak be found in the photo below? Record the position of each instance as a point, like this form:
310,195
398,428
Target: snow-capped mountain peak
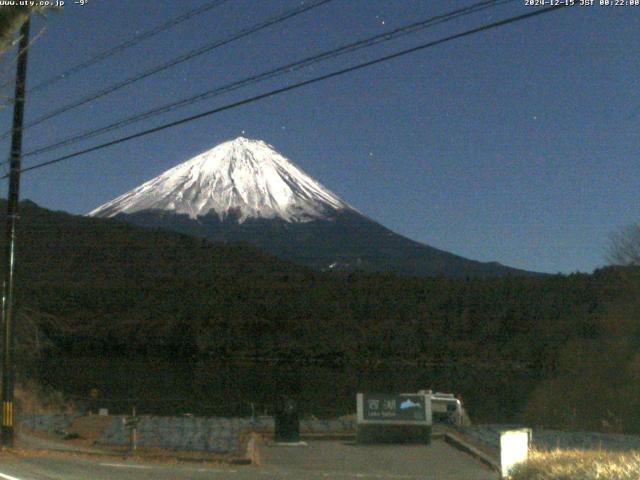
246,177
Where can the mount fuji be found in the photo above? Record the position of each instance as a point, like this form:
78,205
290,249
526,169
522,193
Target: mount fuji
243,190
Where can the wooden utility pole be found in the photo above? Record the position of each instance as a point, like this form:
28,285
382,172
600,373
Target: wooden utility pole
8,373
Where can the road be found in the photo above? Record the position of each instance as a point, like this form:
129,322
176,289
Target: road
320,460
346,460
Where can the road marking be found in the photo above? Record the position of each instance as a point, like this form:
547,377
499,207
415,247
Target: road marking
214,470
8,477
384,476
124,465
149,467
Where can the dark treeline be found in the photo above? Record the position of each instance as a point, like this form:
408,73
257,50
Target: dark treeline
554,350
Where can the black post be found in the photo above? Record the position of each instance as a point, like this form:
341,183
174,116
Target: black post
12,215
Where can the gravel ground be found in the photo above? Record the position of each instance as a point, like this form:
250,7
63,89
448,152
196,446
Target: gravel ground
551,439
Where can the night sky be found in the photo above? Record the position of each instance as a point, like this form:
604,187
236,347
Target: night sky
518,145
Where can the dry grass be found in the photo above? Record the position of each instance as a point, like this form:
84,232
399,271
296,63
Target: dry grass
579,465
91,427
31,398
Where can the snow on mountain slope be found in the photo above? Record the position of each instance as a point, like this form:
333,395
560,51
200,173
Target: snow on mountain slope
248,178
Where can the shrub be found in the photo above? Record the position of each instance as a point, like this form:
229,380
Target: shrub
579,465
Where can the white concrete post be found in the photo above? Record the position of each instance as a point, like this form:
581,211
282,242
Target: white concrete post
514,448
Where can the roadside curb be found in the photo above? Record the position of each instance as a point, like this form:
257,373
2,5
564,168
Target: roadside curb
343,436
247,459
346,436
128,456
460,443
57,447
328,436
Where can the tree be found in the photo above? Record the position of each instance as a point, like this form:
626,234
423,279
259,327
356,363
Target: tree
624,246
11,19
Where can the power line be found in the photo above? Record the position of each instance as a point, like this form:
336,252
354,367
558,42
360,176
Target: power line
176,61
290,67
126,44
295,86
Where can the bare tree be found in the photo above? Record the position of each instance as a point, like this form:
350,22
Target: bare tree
624,246
34,333
11,19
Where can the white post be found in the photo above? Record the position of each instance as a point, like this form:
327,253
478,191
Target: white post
514,448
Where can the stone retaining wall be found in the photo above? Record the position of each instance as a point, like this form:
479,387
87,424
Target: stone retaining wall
219,435
214,435
52,423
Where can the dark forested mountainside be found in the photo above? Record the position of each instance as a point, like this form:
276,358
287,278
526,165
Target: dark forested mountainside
123,290
345,240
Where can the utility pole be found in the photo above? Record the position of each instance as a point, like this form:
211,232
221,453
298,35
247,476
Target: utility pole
10,246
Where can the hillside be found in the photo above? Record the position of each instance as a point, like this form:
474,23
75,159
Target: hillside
56,247
102,274
349,242
129,292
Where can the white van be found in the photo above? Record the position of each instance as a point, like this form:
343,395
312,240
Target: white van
445,408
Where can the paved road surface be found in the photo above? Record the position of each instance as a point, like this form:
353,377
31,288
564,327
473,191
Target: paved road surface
345,460
30,468
320,460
